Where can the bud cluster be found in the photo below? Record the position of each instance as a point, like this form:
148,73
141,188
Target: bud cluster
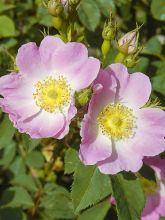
55,7
129,48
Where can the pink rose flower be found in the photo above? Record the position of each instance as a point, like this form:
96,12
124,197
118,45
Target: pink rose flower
117,132
40,98
155,196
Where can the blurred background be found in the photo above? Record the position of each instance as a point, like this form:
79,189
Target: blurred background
28,174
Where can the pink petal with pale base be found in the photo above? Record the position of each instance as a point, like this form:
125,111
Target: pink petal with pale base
132,89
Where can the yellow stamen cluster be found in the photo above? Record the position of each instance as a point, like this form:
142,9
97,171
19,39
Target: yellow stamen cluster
117,121
52,94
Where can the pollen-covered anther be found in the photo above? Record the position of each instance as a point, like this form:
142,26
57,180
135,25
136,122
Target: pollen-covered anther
117,121
52,94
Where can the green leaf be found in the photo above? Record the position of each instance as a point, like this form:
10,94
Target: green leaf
18,166
141,66
16,197
29,143
158,9
89,14
10,43
25,181
89,187
153,46
159,79
71,161
106,6
159,83
8,154
12,214
141,13
52,187
34,159
160,65
7,132
6,61
129,196
96,212
5,7
56,203
42,15
7,27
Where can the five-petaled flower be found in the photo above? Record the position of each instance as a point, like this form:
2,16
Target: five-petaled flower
118,131
40,98
155,191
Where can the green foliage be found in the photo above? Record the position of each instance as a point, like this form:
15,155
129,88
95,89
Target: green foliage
141,66
105,6
34,159
4,7
89,187
56,203
7,132
7,26
8,154
71,161
18,166
96,212
42,15
153,46
158,9
89,14
15,197
159,78
28,143
25,181
159,83
90,11
12,213
129,196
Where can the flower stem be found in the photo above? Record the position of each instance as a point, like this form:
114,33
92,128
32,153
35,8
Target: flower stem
120,58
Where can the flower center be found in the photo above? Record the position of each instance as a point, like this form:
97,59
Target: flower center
52,94
149,186
117,121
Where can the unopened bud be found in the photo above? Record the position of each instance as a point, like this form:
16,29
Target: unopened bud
55,7
83,97
109,31
128,43
65,4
